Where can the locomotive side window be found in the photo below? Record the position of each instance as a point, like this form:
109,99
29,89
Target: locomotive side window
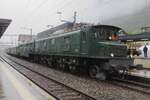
95,35
53,41
67,43
83,36
67,40
44,44
37,46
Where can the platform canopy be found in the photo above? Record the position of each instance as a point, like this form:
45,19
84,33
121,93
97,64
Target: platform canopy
136,37
4,23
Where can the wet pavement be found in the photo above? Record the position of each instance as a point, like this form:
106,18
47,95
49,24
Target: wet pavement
2,95
14,86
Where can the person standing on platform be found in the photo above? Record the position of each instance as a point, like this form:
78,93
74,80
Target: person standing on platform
145,49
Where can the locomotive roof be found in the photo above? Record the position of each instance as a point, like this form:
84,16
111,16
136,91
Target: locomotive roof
62,34
72,32
106,26
55,35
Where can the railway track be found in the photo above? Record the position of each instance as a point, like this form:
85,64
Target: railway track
56,89
125,83
132,85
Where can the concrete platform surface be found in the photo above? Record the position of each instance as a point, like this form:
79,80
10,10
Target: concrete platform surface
14,86
140,73
144,61
2,95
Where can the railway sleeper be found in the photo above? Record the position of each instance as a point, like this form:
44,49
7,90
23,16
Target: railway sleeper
75,98
67,93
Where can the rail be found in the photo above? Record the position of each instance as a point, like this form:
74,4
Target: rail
56,89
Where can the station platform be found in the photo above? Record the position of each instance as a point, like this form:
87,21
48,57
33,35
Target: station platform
144,61
14,86
145,73
140,73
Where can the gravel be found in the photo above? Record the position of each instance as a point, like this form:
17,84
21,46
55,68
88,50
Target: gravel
100,90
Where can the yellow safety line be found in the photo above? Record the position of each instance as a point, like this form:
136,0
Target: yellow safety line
22,91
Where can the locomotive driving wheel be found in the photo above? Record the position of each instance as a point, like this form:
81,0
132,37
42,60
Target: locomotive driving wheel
63,65
93,71
49,62
72,68
96,72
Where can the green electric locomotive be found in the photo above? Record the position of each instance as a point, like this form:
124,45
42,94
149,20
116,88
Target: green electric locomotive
92,48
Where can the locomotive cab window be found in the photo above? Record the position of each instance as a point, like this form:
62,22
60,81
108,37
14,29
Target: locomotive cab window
106,33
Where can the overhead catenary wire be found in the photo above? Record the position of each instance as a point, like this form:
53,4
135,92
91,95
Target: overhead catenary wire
78,9
59,6
28,3
35,10
52,11
63,6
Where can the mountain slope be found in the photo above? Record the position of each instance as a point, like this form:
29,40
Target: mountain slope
132,23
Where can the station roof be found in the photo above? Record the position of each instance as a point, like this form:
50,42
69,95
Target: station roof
4,23
136,37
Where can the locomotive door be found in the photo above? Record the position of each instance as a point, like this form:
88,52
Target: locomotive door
84,44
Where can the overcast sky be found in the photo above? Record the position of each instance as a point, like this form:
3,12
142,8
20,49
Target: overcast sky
37,14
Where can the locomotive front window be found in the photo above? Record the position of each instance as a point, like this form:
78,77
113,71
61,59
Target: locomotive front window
106,33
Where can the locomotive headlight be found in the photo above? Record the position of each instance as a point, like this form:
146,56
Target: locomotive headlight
111,54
